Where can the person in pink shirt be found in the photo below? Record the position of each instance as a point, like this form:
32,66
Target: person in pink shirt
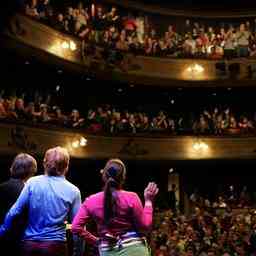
121,219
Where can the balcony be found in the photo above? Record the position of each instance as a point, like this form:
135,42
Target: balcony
57,48
16,138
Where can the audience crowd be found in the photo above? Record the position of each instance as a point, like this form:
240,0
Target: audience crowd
139,34
109,119
212,229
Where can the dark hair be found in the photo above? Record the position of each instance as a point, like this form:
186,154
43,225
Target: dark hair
23,166
113,176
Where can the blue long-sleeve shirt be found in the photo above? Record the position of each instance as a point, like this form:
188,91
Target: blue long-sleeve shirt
50,202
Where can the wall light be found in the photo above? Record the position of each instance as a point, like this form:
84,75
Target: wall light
72,46
83,142
65,45
200,146
75,144
195,69
79,142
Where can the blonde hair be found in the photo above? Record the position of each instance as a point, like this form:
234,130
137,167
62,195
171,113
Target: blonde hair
56,161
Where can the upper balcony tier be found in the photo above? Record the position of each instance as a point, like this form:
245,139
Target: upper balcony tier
30,37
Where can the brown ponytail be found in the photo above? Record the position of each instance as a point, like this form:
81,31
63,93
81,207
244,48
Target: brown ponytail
113,175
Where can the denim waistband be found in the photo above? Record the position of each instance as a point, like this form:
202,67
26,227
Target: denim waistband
110,242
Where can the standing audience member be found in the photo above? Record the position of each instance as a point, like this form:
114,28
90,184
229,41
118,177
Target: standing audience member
51,200
119,214
23,167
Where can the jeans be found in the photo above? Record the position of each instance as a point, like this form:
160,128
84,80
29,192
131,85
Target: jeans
132,250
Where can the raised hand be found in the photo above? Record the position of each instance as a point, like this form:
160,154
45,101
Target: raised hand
150,191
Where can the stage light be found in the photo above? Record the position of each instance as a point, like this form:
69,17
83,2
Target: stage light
83,142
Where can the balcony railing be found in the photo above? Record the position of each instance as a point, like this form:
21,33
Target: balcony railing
16,138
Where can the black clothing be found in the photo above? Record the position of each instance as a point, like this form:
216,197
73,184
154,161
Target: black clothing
9,192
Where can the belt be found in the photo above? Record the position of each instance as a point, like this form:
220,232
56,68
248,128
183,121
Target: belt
110,242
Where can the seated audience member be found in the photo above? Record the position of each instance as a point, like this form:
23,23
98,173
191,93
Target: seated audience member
59,118
60,23
9,105
31,9
23,167
44,117
43,8
3,113
75,120
120,217
50,200
31,115
20,109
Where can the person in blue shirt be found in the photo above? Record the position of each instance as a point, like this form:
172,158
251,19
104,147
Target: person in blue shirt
51,201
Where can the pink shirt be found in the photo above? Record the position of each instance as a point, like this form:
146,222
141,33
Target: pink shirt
131,216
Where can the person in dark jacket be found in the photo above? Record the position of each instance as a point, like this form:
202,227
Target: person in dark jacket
23,167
